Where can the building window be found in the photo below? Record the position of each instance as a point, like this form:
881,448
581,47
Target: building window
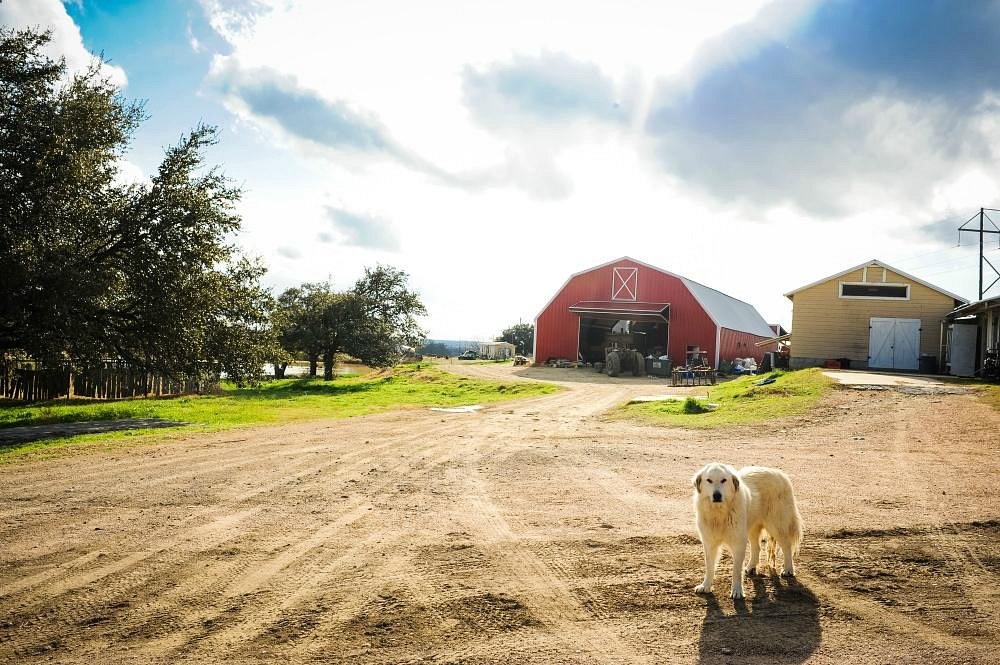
625,284
879,291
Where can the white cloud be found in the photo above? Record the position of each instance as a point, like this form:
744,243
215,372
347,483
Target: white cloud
511,145
289,252
193,41
364,230
66,39
130,173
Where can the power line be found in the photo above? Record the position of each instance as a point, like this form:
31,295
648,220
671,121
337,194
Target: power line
925,254
937,263
934,252
945,272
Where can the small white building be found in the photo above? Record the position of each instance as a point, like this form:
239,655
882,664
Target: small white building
497,350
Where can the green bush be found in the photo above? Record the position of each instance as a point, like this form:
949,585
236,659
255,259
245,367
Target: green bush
691,405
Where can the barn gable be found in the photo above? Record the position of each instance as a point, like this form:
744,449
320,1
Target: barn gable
875,263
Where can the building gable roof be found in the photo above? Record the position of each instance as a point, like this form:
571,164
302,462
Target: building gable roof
724,310
727,311
880,264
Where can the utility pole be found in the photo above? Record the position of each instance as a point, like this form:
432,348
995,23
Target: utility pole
982,231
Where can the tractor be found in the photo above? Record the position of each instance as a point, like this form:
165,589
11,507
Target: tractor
620,355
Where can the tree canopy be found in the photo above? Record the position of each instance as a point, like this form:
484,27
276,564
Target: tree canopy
522,336
96,269
373,321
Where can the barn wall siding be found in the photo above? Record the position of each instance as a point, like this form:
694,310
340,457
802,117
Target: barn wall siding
827,326
736,344
556,328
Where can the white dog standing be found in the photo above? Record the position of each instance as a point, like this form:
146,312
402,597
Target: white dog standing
732,507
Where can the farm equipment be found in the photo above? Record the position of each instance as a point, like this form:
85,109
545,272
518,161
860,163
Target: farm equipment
991,365
620,355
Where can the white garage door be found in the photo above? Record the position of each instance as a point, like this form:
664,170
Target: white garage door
894,343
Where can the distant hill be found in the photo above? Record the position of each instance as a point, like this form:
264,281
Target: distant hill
447,347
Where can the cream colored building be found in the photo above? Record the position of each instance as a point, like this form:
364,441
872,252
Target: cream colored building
497,350
874,315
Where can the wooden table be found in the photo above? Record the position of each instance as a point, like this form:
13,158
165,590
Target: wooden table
692,376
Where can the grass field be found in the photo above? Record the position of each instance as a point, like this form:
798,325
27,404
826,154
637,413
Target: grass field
277,401
740,401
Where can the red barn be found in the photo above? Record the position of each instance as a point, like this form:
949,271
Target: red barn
668,313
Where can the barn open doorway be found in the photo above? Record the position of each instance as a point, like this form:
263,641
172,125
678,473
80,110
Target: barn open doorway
597,334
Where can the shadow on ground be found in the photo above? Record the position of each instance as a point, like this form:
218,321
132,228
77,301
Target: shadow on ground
12,437
778,623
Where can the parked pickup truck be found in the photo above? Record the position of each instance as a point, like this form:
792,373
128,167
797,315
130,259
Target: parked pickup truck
469,355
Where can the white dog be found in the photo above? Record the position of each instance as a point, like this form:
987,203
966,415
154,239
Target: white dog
731,507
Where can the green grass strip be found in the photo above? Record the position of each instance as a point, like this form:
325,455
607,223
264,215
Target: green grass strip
739,401
276,401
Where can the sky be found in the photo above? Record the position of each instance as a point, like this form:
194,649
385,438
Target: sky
492,149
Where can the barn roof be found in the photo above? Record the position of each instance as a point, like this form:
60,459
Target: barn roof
724,310
727,311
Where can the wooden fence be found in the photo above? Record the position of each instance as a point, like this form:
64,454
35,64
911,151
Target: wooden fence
33,384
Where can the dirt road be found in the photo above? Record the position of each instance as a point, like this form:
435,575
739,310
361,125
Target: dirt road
526,532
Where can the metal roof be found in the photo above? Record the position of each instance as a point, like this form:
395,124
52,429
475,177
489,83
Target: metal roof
727,311
975,307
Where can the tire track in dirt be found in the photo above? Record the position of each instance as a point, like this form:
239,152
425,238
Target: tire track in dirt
120,591
215,468
965,563
429,597
540,582
877,614
214,532
262,575
304,581
263,439
545,594
165,456
85,603
206,627
417,598
32,580
293,594
395,578
11,514
355,460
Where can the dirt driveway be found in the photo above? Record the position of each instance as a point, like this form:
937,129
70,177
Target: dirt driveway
525,532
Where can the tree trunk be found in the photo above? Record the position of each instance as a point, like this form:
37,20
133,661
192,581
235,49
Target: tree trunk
313,358
328,366
279,370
